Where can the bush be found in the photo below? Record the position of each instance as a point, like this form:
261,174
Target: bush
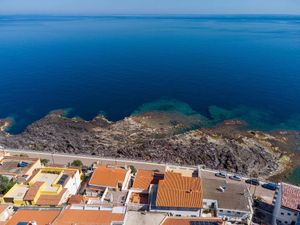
45,162
77,163
133,169
5,184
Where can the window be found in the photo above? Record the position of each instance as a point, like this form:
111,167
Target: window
288,214
238,213
282,213
229,211
220,210
296,214
285,222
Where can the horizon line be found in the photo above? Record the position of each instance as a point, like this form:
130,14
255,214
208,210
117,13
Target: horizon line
151,14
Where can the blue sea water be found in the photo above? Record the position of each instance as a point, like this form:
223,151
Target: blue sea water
222,67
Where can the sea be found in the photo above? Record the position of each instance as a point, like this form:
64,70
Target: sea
220,66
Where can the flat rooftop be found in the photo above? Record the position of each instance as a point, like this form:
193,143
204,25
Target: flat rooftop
18,192
134,218
184,171
9,165
47,178
235,196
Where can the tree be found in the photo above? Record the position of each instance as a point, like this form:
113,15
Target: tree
45,161
77,163
133,169
5,184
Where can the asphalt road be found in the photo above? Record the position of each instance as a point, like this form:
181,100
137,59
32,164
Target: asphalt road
59,158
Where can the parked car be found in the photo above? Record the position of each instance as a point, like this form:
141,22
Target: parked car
235,177
270,186
221,174
252,182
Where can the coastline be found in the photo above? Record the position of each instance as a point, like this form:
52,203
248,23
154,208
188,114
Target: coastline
136,137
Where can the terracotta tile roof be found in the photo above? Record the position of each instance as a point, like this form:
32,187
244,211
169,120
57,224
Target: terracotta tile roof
143,179
76,199
42,217
108,177
47,200
32,191
178,191
88,217
290,196
187,221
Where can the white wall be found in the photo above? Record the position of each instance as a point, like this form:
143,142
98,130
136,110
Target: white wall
126,180
73,184
179,212
6,213
285,216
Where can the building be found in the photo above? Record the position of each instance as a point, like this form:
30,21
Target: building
18,167
286,204
228,200
39,216
49,186
192,221
144,178
177,195
138,195
110,177
91,215
5,212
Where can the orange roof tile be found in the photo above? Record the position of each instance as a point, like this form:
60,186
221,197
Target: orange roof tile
187,221
108,177
290,197
143,179
47,200
88,217
176,190
32,191
42,217
76,199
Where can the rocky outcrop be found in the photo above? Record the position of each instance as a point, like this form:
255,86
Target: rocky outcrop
159,137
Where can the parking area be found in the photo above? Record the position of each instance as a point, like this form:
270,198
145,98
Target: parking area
264,194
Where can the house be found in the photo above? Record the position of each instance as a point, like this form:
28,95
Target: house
138,195
18,167
5,212
192,221
144,178
177,195
39,216
48,186
228,200
286,204
91,215
115,178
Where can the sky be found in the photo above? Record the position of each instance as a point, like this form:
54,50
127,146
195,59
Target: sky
97,7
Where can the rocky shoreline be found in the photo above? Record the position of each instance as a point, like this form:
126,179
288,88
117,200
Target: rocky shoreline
164,137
